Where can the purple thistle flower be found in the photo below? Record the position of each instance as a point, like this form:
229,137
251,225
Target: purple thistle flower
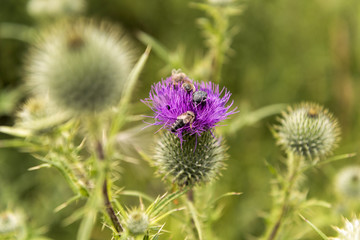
169,101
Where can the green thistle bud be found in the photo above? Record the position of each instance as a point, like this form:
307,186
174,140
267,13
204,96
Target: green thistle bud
81,66
347,182
38,117
46,9
196,159
351,230
137,222
308,130
10,222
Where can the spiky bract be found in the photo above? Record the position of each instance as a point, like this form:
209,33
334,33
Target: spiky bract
351,230
82,66
308,130
347,182
197,159
137,222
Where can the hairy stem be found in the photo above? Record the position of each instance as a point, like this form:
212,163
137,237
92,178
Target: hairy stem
195,221
291,180
109,208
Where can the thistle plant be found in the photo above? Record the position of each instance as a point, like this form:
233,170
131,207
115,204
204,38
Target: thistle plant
81,66
81,76
305,132
76,71
189,152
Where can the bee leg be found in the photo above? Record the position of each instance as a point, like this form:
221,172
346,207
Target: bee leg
191,122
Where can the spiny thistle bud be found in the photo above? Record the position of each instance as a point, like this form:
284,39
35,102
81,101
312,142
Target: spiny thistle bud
10,222
37,116
308,130
80,65
347,182
351,230
41,9
196,159
137,222
32,110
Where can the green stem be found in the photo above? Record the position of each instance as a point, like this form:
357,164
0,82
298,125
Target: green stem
290,182
109,208
195,221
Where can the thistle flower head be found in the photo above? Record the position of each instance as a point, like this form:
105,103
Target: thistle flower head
308,130
198,159
183,106
137,222
350,231
80,65
347,182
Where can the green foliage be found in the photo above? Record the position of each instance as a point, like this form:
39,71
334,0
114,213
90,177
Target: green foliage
264,52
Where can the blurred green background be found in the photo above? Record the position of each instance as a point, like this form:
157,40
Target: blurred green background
285,52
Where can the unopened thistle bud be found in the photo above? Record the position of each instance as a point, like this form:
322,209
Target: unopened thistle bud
10,222
347,182
46,9
308,130
37,116
80,65
351,230
137,222
197,159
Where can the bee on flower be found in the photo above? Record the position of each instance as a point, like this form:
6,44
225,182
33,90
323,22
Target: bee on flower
189,152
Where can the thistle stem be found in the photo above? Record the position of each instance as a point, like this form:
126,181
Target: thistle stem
290,181
195,221
109,208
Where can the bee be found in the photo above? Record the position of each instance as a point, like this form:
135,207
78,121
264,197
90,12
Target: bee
188,86
177,76
199,97
182,120
313,113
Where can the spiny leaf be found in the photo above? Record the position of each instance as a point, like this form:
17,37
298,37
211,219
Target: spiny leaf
195,218
226,195
332,159
44,165
166,214
65,204
253,117
17,132
315,228
165,200
137,194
